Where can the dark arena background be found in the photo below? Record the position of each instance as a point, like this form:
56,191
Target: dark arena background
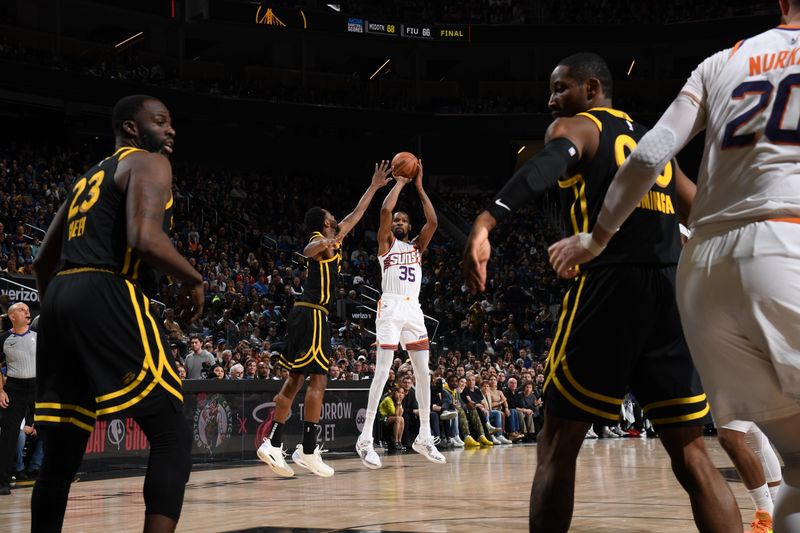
283,105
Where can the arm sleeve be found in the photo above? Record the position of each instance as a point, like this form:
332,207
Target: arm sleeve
539,173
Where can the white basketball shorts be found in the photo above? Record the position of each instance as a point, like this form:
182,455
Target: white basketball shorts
400,321
739,300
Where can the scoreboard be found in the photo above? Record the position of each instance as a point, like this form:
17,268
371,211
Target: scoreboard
264,14
451,32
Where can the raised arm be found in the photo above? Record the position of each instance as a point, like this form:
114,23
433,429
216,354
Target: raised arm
431,222
379,179
387,207
149,190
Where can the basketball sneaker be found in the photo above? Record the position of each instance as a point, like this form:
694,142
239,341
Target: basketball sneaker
427,447
367,453
484,441
469,442
457,442
762,523
503,439
274,457
312,461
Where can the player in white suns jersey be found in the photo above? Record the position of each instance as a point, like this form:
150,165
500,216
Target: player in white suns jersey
401,267
739,274
400,320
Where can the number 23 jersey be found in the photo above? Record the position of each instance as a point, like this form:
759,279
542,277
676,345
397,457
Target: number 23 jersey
401,269
95,235
750,104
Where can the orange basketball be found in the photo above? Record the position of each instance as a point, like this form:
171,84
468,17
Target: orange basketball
405,164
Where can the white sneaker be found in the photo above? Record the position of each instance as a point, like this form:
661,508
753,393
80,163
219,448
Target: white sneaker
312,461
503,440
608,434
274,457
492,429
591,434
495,440
427,447
457,442
367,453
618,431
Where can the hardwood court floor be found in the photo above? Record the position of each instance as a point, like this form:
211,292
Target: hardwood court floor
624,485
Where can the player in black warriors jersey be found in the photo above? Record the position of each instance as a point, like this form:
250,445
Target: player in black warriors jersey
100,351
308,349
619,328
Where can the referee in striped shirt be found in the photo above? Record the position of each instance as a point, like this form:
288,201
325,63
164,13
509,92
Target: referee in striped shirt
18,351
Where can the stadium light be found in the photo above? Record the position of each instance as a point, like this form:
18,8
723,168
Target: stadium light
380,68
132,37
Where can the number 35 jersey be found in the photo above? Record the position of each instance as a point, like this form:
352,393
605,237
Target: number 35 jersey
750,102
95,235
401,269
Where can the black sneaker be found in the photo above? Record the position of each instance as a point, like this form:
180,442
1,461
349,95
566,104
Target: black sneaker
5,489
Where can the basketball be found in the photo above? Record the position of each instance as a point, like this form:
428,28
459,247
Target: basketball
405,164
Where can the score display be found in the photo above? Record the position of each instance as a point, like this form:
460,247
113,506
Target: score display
383,28
264,14
452,32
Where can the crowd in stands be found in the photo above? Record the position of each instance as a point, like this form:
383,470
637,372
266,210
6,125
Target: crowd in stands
253,273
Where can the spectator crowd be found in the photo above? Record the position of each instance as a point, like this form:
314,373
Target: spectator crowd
488,350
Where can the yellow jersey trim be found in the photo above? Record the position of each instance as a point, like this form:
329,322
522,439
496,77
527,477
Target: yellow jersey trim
64,420
684,418
312,306
66,407
674,401
593,119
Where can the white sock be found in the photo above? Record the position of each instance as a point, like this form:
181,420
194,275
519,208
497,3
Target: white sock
382,366
773,491
761,498
419,361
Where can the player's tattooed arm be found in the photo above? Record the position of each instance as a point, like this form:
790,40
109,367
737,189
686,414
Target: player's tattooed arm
149,189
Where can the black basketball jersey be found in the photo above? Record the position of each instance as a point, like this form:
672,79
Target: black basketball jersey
95,235
651,235
320,285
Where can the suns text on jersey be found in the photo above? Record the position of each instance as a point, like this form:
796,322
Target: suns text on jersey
403,258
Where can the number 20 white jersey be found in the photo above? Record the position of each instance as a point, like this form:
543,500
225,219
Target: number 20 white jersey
401,269
750,95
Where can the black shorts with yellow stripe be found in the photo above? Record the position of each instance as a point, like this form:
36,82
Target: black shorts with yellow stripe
100,352
619,331
308,346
